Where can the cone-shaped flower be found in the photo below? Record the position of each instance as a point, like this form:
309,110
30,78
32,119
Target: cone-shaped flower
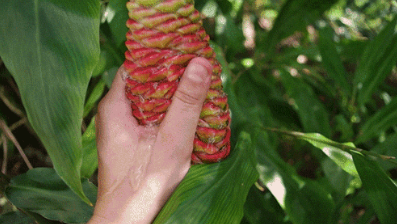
163,36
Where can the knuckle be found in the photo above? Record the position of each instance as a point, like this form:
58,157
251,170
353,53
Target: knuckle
187,97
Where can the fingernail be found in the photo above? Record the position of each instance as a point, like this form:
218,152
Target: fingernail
199,70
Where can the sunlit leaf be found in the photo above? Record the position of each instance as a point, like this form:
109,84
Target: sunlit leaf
305,201
333,150
339,179
51,48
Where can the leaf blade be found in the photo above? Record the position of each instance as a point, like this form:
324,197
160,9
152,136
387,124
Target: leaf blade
312,113
304,201
332,61
381,190
330,148
52,65
42,191
204,195
376,62
383,119
304,11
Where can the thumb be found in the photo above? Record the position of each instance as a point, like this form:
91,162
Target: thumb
115,107
179,125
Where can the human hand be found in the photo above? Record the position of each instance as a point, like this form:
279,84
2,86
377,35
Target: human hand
138,166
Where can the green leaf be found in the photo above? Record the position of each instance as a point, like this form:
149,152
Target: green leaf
263,208
388,147
109,57
294,16
332,61
252,98
305,201
313,115
108,76
51,48
90,155
340,180
16,218
344,127
376,62
116,16
225,6
42,191
352,50
333,150
379,122
96,95
381,190
214,193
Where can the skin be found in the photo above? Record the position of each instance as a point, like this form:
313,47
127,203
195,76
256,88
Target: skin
139,167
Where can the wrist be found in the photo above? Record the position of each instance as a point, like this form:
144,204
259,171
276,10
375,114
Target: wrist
124,206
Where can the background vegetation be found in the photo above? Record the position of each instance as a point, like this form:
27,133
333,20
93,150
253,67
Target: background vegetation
311,85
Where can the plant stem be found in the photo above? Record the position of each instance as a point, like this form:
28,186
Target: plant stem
9,104
5,152
10,136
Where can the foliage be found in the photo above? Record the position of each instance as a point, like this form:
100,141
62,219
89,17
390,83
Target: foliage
302,77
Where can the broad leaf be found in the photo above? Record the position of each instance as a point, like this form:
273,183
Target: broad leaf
376,62
51,48
304,201
16,218
339,165
379,122
24,217
263,208
42,191
342,182
214,193
381,190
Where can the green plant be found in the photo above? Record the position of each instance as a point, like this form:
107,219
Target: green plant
298,73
